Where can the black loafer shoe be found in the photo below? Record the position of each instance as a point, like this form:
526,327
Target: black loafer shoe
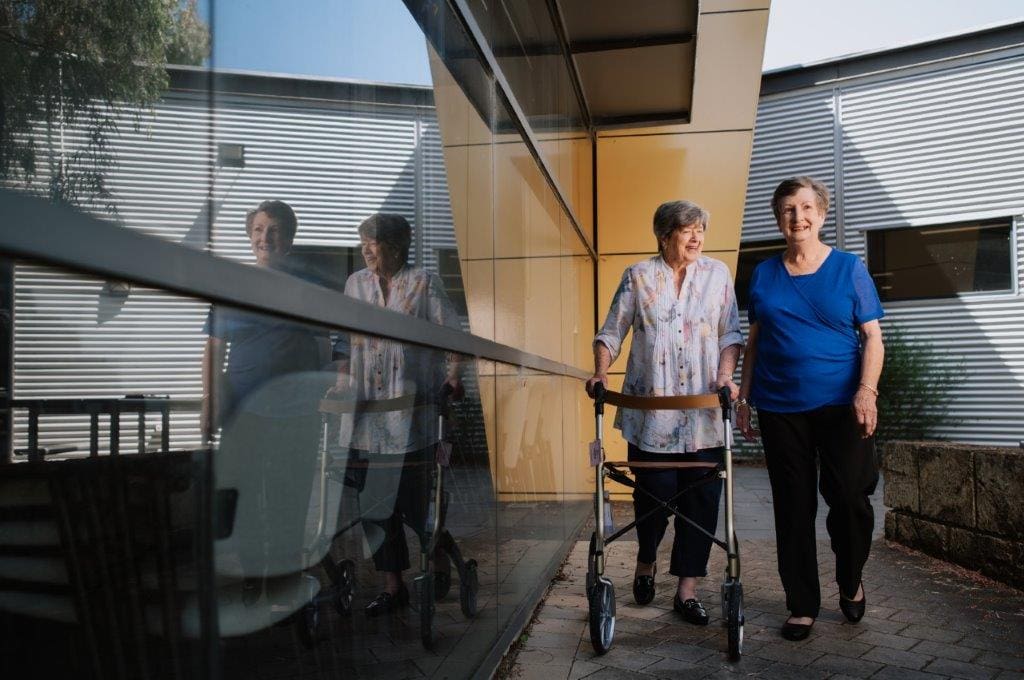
386,603
853,610
692,610
796,631
643,589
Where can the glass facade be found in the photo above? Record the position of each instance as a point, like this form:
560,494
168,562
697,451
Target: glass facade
276,345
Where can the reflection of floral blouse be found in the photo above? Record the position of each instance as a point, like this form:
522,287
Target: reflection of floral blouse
383,369
676,345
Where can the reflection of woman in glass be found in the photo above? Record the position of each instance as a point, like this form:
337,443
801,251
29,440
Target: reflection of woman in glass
686,340
260,388
381,369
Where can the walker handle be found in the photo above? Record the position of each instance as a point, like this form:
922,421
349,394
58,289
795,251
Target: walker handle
725,401
599,393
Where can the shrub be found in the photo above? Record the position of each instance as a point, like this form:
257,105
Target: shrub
915,389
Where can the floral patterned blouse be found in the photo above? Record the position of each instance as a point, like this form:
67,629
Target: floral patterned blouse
676,345
383,369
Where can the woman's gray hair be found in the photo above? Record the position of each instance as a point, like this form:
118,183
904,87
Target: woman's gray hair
391,230
674,214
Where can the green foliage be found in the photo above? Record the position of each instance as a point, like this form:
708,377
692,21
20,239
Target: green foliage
67,68
915,389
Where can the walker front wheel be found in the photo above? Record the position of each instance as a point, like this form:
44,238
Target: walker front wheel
602,615
732,605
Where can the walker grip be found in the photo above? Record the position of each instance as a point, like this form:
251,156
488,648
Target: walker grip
725,401
599,394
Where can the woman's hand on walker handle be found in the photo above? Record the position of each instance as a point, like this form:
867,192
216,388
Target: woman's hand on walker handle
726,381
866,410
596,378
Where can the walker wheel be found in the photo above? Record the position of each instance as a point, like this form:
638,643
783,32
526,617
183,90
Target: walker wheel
344,577
468,590
732,605
602,615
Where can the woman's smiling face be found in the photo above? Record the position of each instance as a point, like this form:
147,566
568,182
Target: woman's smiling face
684,245
267,239
800,217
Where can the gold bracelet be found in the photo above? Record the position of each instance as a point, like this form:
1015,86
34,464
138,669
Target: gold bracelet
870,389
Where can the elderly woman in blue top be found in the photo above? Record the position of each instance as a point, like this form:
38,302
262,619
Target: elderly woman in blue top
811,368
686,340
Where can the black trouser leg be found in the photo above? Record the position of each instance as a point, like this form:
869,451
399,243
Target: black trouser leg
691,548
410,505
790,455
848,478
650,531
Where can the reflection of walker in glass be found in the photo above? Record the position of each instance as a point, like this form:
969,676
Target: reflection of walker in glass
395,424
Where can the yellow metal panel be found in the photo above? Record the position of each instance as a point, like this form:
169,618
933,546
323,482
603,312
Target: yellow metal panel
529,435
526,213
577,311
636,174
478,280
528,305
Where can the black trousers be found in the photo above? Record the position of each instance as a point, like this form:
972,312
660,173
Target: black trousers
394,496
795,446
690,548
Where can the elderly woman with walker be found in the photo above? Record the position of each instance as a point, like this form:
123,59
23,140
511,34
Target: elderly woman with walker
811,368
682,310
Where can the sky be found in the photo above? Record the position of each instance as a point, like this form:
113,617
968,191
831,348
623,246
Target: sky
377,39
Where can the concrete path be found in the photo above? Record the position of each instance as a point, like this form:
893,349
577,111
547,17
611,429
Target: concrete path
925,619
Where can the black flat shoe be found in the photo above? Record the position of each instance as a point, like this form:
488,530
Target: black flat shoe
692,611
643,589
853,610
385,603
796,631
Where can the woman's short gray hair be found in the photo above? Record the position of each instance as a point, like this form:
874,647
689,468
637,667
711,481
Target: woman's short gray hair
391,230
674,214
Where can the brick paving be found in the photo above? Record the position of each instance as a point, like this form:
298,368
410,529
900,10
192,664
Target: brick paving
925,619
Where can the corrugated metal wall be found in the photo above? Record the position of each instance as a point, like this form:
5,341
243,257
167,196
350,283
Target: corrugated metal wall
334,162
936,146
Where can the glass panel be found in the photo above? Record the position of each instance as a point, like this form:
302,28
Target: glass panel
941,261
248,473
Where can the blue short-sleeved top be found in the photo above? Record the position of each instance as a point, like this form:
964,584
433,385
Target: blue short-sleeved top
808,344
262,348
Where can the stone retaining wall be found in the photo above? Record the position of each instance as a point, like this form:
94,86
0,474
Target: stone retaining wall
958,502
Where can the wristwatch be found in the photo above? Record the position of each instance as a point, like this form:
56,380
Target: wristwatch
742,401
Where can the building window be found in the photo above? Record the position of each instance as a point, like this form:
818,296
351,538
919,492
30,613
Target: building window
941,261
450,271
751,255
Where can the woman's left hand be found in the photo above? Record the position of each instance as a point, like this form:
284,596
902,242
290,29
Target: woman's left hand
726,381
866,410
